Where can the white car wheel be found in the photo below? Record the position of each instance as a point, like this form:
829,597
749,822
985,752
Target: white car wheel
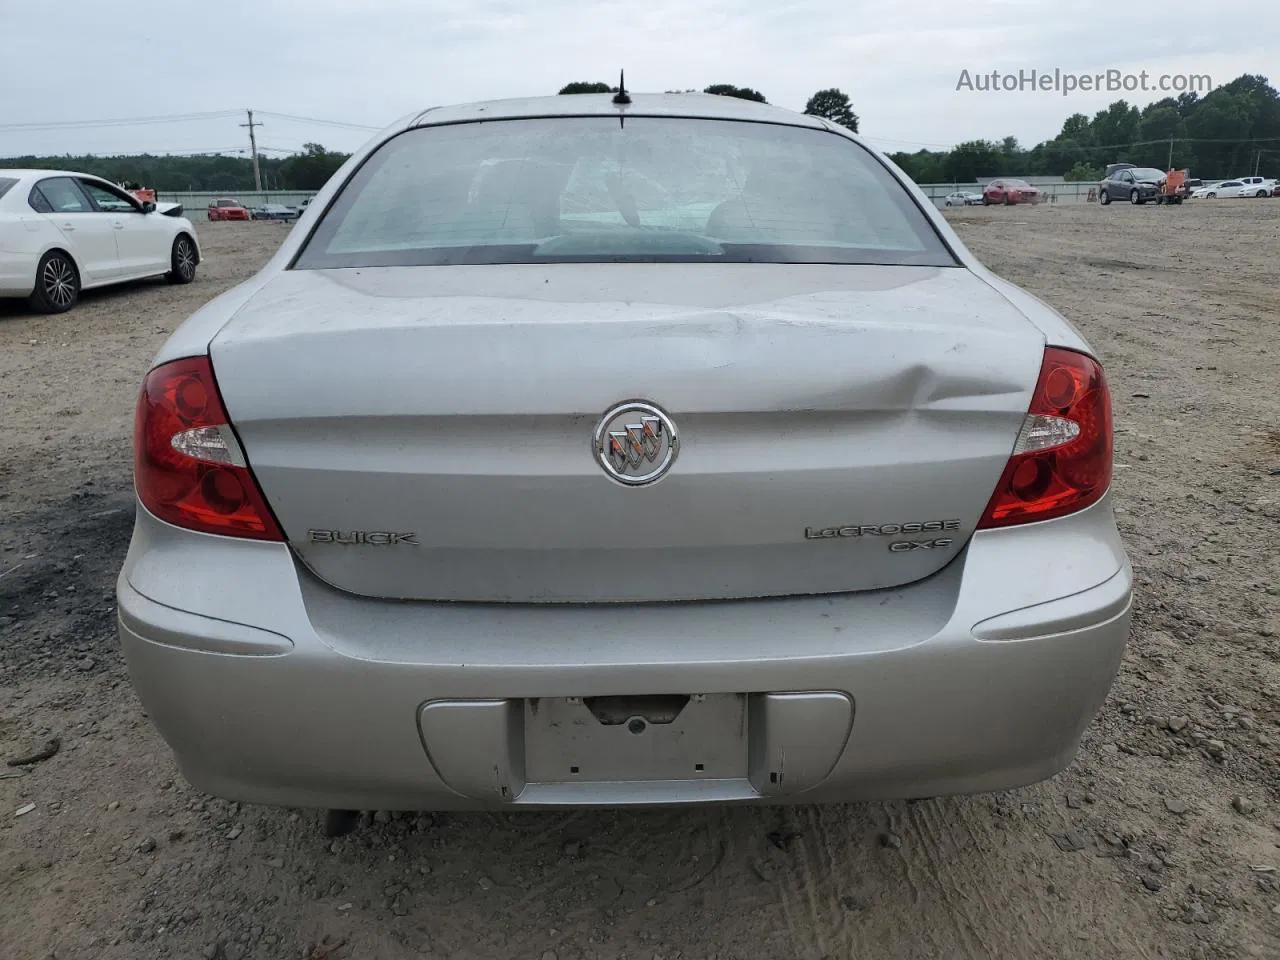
183,260
57,284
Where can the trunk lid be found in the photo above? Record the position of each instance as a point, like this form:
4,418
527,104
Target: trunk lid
823,412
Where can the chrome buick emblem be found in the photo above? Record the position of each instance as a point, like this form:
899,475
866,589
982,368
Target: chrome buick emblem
635,443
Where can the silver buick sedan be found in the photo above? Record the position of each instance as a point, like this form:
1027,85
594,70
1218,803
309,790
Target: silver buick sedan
604,450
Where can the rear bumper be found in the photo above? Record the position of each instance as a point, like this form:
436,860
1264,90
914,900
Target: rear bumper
271,687
17,274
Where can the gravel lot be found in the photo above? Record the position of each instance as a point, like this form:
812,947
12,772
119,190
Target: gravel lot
1162,840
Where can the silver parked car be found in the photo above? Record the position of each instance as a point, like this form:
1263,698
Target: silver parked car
584,452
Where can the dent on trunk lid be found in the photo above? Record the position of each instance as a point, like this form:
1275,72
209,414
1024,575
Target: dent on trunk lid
458,403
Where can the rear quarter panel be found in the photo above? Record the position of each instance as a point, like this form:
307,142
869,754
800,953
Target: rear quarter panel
24,239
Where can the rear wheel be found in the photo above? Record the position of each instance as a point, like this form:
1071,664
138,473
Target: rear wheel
1210,196
183,261
57,284
1104,198
1261,193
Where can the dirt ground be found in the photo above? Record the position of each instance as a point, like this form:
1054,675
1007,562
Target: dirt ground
1162,840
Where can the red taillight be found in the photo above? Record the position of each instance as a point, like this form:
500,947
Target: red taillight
1061,462
188,468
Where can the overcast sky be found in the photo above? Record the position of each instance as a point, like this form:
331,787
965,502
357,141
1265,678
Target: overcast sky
370,61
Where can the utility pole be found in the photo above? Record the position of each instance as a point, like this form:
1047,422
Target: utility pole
253,148
1257,163
1170,153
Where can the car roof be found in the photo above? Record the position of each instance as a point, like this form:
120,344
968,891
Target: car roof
697,105
22,174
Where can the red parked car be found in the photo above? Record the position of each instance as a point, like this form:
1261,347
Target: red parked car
227,210
1011,192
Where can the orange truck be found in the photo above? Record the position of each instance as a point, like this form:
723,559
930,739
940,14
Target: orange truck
1174,190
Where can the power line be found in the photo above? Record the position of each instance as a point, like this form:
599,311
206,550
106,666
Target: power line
1164,140
45,125
319,121
209,151
1103,146
191,152
159,154
117,122
909,143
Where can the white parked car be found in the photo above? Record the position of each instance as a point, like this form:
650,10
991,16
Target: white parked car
61,233
962,199
1226,190
1256,186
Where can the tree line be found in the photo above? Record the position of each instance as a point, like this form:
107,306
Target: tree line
302,172
1231,131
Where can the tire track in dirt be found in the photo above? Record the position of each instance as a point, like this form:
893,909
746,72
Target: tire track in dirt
929,845
818,884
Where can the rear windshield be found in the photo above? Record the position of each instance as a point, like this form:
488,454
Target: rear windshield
589,189
228,203
6,184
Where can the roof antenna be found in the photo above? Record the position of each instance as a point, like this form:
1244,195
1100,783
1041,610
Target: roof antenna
622,97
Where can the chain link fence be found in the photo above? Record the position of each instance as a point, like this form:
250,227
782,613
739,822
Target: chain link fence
195,205
1057,191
